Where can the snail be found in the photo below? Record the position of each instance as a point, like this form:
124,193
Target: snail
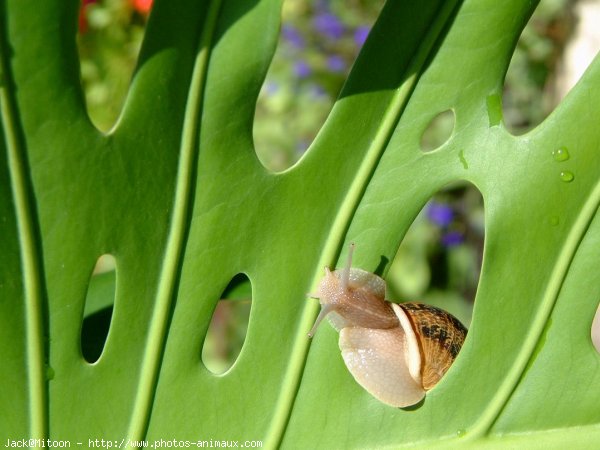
396,352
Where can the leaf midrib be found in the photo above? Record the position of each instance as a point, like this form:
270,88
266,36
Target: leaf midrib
28,248
177,232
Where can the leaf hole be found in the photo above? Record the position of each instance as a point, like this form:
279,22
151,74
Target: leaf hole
439,259
227,330
109,40
556,46
596,330
318,44
438,131
99,303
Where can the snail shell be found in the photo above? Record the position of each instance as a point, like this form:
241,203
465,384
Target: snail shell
396,352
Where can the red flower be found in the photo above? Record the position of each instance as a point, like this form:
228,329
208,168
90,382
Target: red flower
142,6
83,23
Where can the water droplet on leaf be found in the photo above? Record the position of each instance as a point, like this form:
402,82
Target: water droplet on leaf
494,109
561,154
567,176
463,160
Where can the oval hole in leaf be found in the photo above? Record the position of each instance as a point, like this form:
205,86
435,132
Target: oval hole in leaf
318,44
438,131
98,309
109,39
596,330
439,259
556,46
229,324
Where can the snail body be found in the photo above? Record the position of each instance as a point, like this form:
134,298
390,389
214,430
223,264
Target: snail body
396,352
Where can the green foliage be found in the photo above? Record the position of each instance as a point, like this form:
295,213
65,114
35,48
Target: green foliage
176,193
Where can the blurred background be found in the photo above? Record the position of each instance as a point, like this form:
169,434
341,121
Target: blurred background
440,257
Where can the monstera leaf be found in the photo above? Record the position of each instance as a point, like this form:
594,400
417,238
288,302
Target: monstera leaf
176,194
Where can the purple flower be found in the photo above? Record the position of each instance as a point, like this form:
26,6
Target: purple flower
336,63
271,87
452,239
440,213
293,36
302,69
360,35
329,25
302,146
318,91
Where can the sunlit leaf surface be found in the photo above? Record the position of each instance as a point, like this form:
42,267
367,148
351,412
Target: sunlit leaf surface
176,194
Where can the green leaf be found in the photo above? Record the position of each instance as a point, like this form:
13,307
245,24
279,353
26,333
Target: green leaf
176,194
